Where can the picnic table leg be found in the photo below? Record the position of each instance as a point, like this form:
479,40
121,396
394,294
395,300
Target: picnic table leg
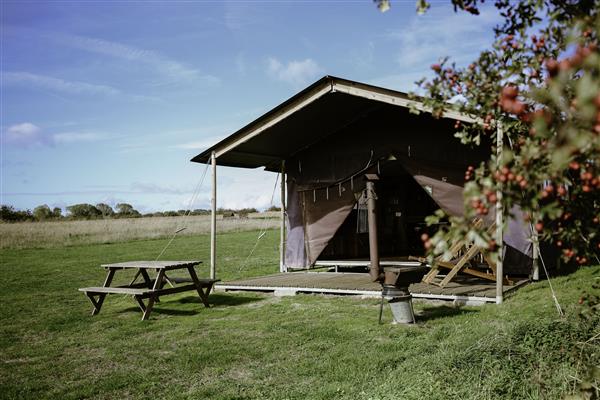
96,309
148,309
134,278
203,295
140,303
157,285
147,280
146,277
98,304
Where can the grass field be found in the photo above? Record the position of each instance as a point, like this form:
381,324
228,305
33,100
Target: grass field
253,346
65,233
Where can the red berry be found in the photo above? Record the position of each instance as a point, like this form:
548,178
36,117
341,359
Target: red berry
564,64
539,226
552,67
510,92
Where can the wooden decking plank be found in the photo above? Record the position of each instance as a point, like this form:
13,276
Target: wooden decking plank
323,281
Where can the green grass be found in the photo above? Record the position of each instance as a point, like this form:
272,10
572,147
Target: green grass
258,346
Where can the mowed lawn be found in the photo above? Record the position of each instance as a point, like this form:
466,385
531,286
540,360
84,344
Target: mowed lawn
256,346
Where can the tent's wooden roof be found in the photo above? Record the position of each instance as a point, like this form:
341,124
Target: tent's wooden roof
305,119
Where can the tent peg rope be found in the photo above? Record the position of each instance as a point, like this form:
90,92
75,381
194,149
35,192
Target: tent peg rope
263,230
187,213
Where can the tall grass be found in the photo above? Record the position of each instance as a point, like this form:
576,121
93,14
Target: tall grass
67,233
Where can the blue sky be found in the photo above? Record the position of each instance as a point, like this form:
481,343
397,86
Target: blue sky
107,101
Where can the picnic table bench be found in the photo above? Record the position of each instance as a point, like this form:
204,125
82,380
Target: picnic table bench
151,289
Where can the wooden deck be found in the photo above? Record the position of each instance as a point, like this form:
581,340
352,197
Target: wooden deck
461,289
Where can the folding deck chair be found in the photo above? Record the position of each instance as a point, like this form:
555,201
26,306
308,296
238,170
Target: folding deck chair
462,262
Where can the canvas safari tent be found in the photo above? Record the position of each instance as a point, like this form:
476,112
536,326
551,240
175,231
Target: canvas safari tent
325,139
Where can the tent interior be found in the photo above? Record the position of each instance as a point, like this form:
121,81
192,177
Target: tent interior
403,205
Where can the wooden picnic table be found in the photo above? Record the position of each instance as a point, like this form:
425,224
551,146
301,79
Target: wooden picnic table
150,289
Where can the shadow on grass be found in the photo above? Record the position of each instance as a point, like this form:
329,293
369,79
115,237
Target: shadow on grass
431,313
220,299
160,310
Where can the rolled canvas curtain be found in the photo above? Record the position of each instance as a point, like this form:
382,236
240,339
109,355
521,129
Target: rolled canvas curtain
295,255
323,218
312,222
450,199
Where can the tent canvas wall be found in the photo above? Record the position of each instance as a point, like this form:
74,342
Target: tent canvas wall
416,157
334,131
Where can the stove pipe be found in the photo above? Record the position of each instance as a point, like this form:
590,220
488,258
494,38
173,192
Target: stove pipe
374,270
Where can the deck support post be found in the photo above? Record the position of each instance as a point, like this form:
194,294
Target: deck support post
282,267
213,218
499,222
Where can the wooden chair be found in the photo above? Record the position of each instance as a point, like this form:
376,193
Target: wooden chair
461,262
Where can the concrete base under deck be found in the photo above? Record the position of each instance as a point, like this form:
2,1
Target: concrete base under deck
462,290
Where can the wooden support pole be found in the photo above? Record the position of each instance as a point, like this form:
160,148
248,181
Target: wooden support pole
213,218
499,221
282,267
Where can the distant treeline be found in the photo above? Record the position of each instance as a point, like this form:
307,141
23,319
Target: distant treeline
102,211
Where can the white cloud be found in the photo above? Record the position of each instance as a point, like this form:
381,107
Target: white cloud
56,84
72,137
438,33
69,87
174,70
297,73
26,134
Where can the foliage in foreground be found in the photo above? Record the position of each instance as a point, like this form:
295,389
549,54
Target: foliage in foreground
539,86
251,346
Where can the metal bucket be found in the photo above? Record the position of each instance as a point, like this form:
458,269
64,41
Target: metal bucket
402,309
400,301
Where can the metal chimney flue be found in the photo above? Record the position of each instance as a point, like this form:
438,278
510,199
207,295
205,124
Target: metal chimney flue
374,269
395,279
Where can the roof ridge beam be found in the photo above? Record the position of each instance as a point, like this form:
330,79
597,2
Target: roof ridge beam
369,93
